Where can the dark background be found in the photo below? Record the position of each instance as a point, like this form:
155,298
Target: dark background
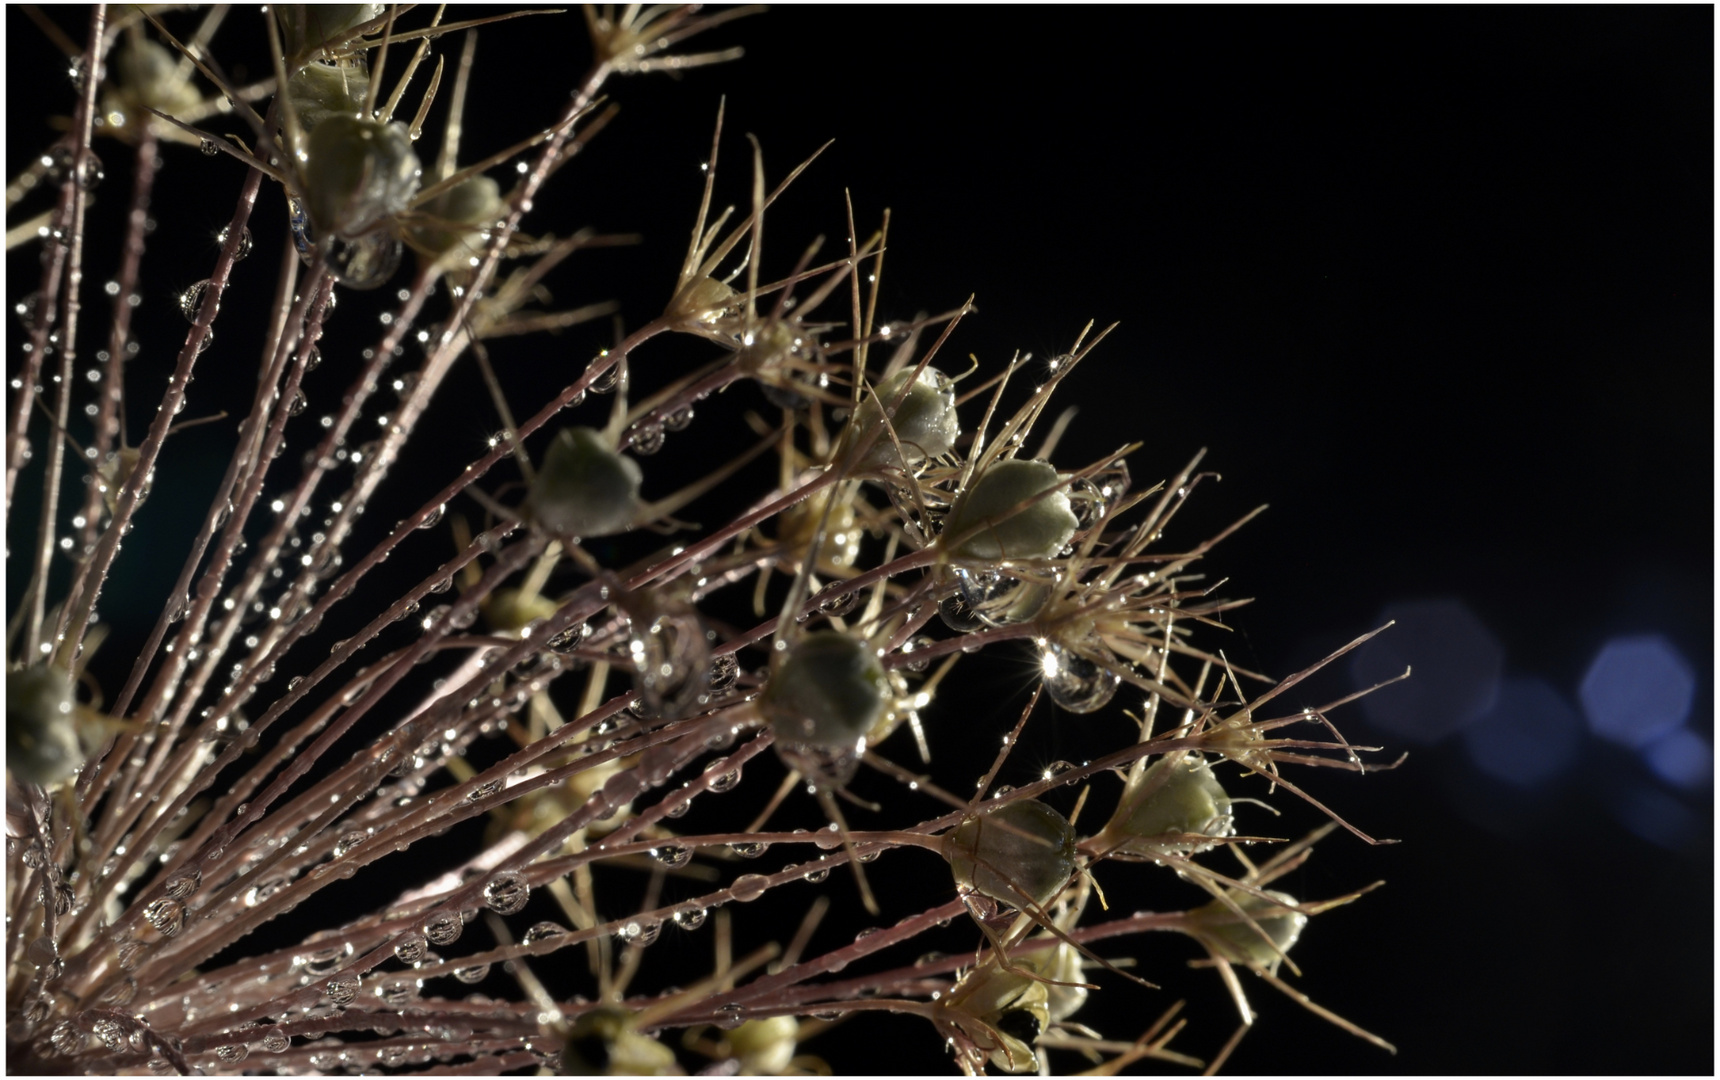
1434,283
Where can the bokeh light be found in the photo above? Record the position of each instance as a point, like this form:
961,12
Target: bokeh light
1530,735
1683,759
1658,818
1637,689
1456,662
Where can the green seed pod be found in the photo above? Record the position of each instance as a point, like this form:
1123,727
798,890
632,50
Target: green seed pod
925,422
357,173
305,28
1037,532
1020,848
828,693
1011,1005
585,487
764,1047
147,78
1177,795
42,744
1230,938
602,1043
475,201
319,91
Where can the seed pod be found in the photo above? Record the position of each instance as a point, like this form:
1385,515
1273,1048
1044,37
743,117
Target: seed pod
1037,531
925,422
319,91
766,1046
1177,796
147,78
1012,1007
475,201
827,694
585,487
1021,849
305,28
357,172
42,744
1231,938
602,1043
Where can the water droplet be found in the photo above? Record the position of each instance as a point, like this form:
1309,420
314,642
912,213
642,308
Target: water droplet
647,439
434,518
730,1017
208,147
818,873
184,883
90,171
609,380
245,244
1074,682
345,844
131,955
505,894
191,300
275,1040
166,915
342,989
543,931
472,973
726,781
409,947
111,1035
398,991
672,854
443,928
66,1039
749,887
679,419
690,917
232,1053
748,849
641,932
838,599
298,404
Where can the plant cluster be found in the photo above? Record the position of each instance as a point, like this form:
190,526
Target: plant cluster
570,691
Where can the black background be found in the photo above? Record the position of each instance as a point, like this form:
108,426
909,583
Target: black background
1434,283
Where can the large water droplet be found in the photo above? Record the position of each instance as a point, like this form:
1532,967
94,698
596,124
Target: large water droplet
749,887
166,915
443,928
1074,682
506,893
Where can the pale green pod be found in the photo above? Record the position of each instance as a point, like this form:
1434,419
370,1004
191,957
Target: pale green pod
42,745
1038,531
357,173
925,422
1230,938
147,78
585,487
319,91
1177,795
305,28
475,201
1019,849
764,1047
828,693
603,1043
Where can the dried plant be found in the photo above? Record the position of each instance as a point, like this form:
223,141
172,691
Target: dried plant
546,717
